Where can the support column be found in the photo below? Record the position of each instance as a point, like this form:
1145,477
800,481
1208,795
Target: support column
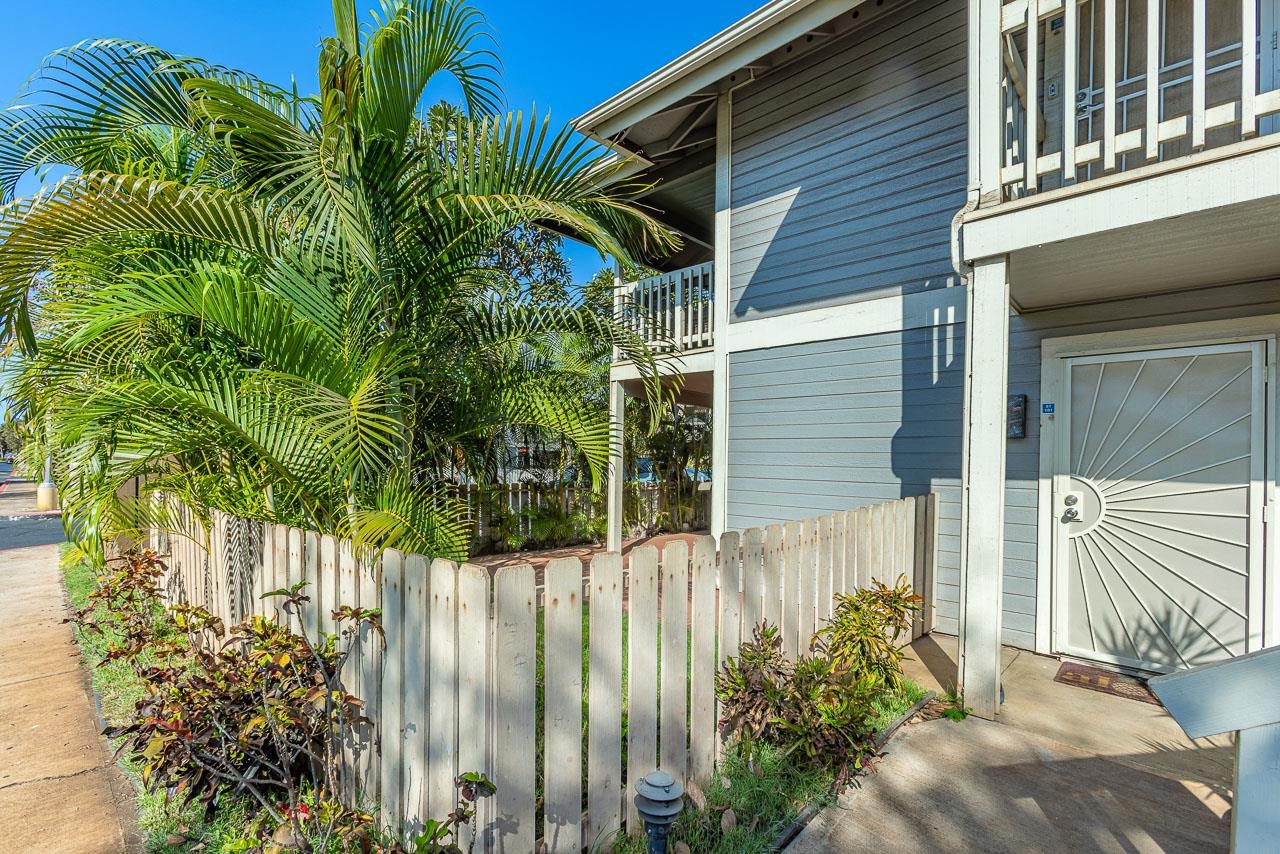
983,485
720,318
617,412
617,467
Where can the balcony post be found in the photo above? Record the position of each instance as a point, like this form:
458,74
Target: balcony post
617,412
720,322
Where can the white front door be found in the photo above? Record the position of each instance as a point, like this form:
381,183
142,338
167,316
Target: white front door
1157,505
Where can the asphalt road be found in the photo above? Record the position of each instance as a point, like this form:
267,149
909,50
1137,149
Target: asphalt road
18,532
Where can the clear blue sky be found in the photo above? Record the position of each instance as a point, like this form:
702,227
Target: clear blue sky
564,56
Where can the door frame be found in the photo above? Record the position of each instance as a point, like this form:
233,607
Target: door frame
1053,385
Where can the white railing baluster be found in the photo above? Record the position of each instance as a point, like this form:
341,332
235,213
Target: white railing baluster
673,311
1198,59
1109,86
1070,57
1248,67
1153,80
1032,154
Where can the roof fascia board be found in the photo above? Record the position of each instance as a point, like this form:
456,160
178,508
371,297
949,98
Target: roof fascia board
761,32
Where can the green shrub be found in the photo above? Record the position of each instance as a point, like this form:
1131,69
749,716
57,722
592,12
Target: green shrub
864,634
826,707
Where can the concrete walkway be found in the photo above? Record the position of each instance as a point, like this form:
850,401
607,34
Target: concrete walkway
60,791
1062,769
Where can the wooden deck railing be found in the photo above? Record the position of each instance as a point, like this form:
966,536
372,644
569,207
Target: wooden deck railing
1131,83
674,311
455,685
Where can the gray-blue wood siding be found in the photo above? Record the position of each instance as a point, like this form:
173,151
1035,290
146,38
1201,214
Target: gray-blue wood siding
833,425
849,164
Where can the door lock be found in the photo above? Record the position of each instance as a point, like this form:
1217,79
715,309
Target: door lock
1071,507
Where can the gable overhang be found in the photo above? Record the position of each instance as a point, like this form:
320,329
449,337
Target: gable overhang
707,66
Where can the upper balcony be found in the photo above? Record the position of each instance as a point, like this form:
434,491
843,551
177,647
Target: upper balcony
673,311
1139,147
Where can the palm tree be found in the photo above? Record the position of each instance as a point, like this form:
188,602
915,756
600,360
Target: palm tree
274,304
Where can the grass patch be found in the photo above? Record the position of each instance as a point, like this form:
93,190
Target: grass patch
891,706
765,798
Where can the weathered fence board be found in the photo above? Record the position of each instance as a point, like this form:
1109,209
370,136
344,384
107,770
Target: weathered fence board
391,726
673,736
752,579
451,685
442,687
562,724
604,702
790,623
642,668
514,691
702,665
414,715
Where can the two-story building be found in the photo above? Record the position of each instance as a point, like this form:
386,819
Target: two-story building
903,216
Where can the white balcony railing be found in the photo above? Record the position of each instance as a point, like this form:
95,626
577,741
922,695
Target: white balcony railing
673,311
1132,82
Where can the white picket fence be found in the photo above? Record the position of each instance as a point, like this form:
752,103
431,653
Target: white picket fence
454,688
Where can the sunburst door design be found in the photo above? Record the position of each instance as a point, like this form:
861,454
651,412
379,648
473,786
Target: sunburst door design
1158,505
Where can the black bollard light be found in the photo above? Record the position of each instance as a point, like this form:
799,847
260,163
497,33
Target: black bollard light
659,799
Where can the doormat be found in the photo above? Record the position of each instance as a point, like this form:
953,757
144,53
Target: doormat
1105,681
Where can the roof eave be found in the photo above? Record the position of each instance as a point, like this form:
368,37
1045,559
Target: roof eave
766,29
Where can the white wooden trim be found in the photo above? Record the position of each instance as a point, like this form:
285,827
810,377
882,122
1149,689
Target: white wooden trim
937,307
1053,354
702,361
723,294
1237,174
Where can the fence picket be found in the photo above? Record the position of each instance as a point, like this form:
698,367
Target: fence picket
808,582
772,575
752,579
562,691
391,725
826,558
295,571
442,688
791,589
472,652
416,719
371,648
702,667
312,608
642,671
730,596
327,581
604,702
864,548
514,692
675,660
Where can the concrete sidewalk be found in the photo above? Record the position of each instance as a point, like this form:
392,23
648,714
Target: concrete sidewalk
981,786
1062,769
60,791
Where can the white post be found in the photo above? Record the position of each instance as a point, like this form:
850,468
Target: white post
47,491
982,485
720,313
617,411
617,467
